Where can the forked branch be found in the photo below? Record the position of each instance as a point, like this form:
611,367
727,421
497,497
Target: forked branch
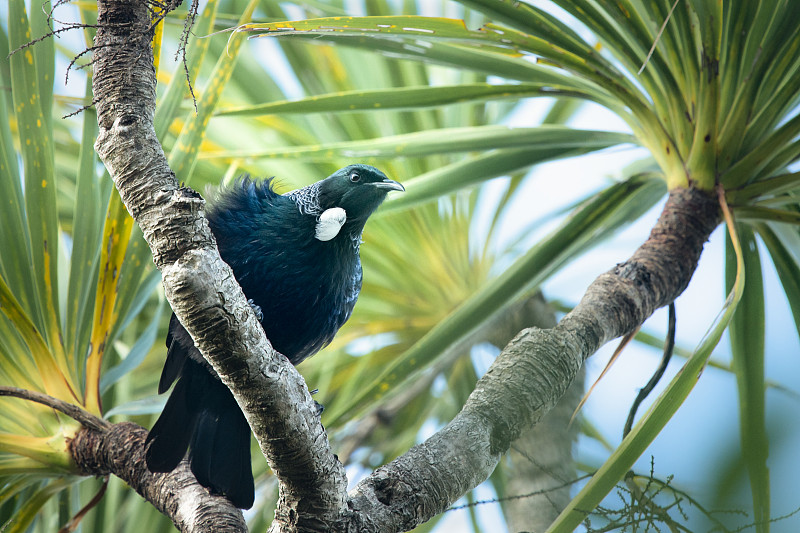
526,380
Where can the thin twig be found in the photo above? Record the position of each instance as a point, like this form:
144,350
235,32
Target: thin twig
71,410
72,525
614,357
669,345
521,496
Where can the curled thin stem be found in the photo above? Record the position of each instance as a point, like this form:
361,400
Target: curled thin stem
71,410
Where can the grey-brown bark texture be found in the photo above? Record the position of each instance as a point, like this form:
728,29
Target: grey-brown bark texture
120,450
524,383
534,371
198,284
539,465
542,465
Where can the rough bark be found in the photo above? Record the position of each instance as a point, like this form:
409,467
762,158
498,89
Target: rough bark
120,451
198,284
542,465
524,383
540,462
532,373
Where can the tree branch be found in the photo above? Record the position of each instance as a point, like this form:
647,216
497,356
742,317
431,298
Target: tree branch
525,381
119,450
199,286
532,373
73,411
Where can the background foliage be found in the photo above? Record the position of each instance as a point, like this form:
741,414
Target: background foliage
428,101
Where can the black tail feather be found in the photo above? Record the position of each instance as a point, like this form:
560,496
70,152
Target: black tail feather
167,442
201,411
178,345
220,453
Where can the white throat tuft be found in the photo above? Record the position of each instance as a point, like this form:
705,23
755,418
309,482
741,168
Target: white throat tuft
329,223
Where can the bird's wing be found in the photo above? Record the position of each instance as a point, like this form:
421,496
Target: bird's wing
177,354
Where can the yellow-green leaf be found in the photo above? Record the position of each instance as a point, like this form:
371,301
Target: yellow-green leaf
183,155
747,346
442,141
36,144
116,235
405,98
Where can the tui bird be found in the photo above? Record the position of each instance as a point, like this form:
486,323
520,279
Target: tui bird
296,258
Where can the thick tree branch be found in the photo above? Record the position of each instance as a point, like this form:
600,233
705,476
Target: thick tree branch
119,450
102,448
527,379
540,461
198,284
532,373
497,330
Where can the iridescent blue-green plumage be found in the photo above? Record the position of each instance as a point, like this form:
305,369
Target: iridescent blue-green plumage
296,258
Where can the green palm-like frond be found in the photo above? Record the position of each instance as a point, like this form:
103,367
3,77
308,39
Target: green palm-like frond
425,99
70,271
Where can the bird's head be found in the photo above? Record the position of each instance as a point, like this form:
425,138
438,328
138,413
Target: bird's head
358,189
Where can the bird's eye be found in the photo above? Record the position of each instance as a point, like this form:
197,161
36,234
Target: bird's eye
355,177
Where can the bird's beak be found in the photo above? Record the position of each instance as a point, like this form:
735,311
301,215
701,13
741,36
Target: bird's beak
388,184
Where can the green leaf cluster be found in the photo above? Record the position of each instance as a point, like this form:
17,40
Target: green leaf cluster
73,272
709,88
427,100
